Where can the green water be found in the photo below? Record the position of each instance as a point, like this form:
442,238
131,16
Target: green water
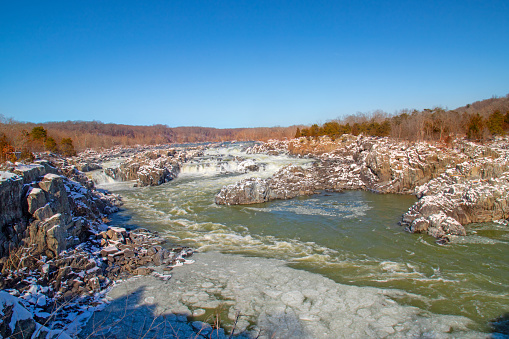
351,237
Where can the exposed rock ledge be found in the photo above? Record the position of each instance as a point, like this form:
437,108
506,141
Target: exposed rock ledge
456,185
154,167
56,254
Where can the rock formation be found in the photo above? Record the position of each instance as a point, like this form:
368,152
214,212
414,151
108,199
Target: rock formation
473,191
42,208
55,248
377,164
152,168
456,185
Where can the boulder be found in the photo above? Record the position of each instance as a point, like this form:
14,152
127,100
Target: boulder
248,191
43,213
18,322
35,199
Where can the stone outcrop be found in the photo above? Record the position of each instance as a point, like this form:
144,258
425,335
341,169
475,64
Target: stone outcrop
47,209
456,185
290,182
470,192
55,248
152,168
377,164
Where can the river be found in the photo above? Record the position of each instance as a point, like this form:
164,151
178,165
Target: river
351,237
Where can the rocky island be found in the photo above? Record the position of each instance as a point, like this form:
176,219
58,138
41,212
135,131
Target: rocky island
456,184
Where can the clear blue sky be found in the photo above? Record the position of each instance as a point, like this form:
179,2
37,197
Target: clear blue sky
246,63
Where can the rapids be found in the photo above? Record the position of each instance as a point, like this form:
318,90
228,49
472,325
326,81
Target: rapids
352,237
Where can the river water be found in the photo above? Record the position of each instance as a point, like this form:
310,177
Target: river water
352,237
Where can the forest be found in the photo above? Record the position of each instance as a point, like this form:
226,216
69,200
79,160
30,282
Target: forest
477,121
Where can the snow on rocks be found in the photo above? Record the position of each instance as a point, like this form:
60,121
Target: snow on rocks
56,250
456,185
18,322
289,182
78,278
460,196
378,164
154,167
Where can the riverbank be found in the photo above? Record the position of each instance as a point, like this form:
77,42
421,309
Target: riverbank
58,257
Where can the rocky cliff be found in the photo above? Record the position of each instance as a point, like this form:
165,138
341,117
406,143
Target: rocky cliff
42,207
476,190
56,250
377,164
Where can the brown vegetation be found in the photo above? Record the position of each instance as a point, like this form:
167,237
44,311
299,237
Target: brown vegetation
478,120
95,134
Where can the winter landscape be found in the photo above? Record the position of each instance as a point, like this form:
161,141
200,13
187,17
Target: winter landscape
308,237
254,169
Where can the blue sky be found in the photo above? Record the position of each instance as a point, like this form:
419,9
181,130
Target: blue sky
246,63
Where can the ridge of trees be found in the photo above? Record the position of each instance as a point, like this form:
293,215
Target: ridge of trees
37,140
478,121
94,134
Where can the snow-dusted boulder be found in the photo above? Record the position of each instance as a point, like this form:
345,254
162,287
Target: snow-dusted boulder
18,322
151,168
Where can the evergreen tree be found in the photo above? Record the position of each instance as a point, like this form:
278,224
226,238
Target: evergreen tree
39,133
51,145
496,123
298,134
475,127
67,148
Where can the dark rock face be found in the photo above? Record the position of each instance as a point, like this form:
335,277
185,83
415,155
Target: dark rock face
11,194
49,210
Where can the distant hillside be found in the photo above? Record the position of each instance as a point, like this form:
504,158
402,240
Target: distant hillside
94,134
479,120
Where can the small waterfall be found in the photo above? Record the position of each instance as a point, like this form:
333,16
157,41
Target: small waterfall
216,167
100,178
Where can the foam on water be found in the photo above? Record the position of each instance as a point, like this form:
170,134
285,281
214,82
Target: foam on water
345,210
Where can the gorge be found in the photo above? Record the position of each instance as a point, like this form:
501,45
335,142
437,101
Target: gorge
338,234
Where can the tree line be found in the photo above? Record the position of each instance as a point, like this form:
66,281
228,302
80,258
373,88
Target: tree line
24,144
25,138
477,121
